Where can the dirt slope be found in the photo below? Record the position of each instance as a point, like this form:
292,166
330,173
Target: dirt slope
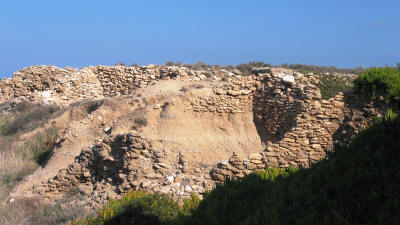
205,138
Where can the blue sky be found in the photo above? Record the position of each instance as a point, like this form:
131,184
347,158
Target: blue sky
343,33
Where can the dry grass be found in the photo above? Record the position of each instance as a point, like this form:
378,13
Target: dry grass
34,211
28,116
19,158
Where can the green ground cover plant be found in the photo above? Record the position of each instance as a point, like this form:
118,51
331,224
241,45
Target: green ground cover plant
380,82
137,207
330,85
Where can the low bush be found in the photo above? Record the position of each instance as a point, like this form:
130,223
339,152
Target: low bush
29,120
120,64
170,63
133,65
24,106
302,68
140,121
247,68
377,82
137,207
330,85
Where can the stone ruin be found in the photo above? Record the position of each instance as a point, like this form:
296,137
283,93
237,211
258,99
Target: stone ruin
297,125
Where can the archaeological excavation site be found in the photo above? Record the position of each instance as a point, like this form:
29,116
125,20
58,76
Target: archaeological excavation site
175,130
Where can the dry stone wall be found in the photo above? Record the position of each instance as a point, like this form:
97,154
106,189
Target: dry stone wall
233,97
51,84
125,162
299,125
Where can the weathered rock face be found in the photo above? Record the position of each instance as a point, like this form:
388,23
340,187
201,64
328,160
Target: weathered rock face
295,123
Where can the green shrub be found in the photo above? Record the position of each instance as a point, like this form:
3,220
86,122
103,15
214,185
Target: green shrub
247,68
137,207
377,82
24,106
330,85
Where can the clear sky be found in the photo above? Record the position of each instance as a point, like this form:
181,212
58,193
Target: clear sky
343,33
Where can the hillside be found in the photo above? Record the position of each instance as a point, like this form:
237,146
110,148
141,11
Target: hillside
356,184
174,130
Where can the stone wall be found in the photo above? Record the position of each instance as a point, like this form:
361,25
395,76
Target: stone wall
51,84
299,125
234,97
128,162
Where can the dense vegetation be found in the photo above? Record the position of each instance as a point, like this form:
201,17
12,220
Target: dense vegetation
137,207
330,85
376,82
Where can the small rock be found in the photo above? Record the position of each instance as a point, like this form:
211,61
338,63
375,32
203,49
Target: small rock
224,162
188,188
233,93
170,179
255,156
288,79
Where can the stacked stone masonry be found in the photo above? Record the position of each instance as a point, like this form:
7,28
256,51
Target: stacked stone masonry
113,166
51,84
